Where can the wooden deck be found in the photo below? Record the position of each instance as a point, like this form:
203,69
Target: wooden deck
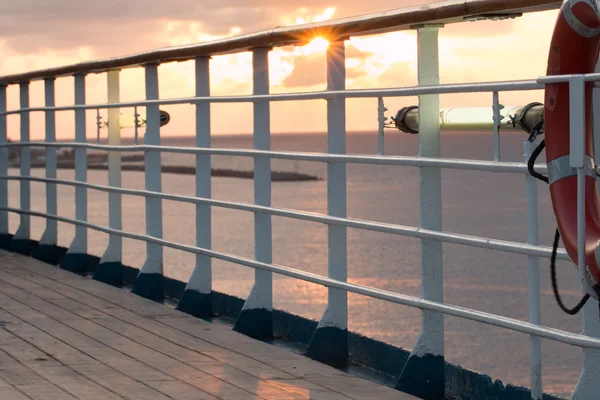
66,337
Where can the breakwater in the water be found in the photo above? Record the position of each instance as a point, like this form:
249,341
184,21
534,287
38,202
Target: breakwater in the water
276,176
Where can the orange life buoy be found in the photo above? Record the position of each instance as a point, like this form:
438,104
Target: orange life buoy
573,50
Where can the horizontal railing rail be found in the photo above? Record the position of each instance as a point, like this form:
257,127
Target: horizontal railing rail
407,161
448,237
558,335
318,95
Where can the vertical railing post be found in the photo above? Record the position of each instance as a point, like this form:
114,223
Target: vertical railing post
110,269
423,374
150,281
535,311
381,118
496,107
256,319
5,236
329,343
77,259
21,242
47,250
197,297
588,385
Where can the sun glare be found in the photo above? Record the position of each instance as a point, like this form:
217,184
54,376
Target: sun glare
317,45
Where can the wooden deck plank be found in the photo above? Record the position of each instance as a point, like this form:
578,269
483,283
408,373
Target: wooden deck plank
123,366
10,393
95,340
185,373
55,372
297,365
45,392
126,381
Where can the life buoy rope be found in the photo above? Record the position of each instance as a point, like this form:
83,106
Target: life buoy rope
535,174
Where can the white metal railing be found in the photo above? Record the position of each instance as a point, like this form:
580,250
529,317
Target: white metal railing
429,162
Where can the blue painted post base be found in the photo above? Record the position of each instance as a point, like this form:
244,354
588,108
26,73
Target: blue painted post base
256,323
23,246
110,273
329,345
197,304
5,239
423,377
150,286
50,254
79,263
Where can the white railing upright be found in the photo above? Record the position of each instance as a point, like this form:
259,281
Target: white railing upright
150,281
423,374
196,299
588,385
47,248
4,151
496,107
329,342
255,319
110,268
77,258
21,242
533,274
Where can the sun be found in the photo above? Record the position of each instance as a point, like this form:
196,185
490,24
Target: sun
317,45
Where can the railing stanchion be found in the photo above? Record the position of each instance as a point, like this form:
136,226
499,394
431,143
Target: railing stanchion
423,373
150,281
535,346
77,259
256,318
197,297
329,343
47,250
110,269
588,385
5,236
21,241
497,120
380,125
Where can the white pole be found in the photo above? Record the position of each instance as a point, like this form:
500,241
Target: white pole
150,282
196,299
110,269
47,250
136,118
423,374
497,118
5,236
329,343
77,259
535,346
256,319
21,242
588,385
380,124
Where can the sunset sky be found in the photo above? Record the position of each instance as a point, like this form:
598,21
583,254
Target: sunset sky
39,35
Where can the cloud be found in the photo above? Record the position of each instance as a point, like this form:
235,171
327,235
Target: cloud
308,71
117,27
398,74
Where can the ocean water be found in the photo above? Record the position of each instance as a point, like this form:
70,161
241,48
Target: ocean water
474,203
